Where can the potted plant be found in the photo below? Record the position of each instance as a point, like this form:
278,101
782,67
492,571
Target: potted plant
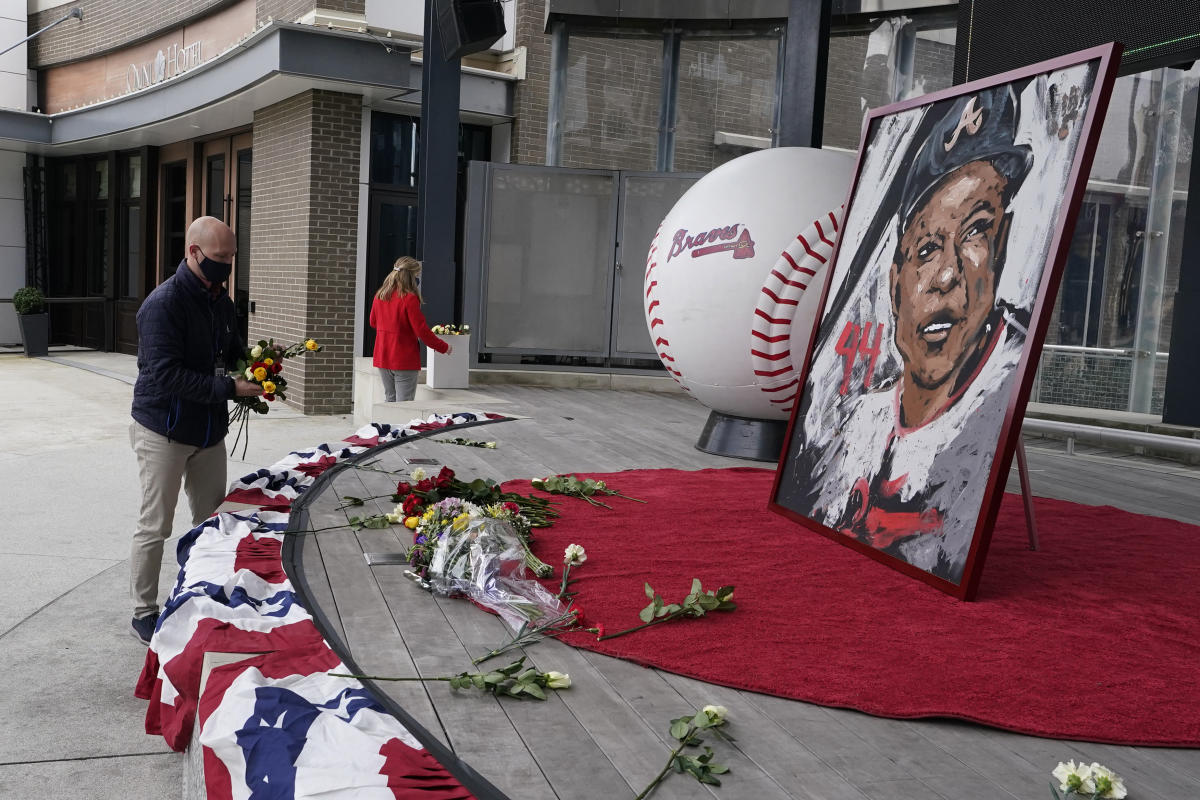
30,305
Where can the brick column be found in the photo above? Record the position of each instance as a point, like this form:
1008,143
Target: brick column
304,240
531,98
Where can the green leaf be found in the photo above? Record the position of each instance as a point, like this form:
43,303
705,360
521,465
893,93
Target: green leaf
647,613
696,586
649,592
679,729
534,690
718,769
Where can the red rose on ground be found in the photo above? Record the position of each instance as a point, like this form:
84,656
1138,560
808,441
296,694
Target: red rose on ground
411,504
424,486
512,507
403,488
445,474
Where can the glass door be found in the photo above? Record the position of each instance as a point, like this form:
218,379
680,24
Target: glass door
393,233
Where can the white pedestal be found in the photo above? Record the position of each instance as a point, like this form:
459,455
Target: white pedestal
449,371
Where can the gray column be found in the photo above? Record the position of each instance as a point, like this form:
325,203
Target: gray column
802,106
437,184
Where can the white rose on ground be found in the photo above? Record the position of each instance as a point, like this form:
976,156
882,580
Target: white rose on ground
574,555
1064,773
1107,782
558,680
418,474
715,714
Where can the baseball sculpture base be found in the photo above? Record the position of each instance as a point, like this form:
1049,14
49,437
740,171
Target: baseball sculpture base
741,437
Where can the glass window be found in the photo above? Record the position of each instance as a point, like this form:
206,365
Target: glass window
132,174
899,59
611,105
1122,270
725,100
174,193
214,199
394,141
100,179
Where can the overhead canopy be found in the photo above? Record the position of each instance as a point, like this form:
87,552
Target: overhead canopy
277,62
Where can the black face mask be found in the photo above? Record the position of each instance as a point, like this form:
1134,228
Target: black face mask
215,272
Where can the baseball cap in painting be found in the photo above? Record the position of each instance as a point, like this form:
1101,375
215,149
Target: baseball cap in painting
980,126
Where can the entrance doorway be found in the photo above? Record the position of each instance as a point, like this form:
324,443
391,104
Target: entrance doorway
393,234
225,170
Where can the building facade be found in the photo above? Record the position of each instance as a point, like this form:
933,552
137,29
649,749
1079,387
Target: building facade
297,121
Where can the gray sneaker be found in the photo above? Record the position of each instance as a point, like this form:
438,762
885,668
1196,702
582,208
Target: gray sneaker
142,628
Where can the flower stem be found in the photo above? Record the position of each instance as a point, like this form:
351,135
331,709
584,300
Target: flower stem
381,678
639,627
658,778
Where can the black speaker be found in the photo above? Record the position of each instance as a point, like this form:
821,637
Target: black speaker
469,26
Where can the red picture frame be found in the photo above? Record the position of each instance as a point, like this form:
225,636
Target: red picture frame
900,441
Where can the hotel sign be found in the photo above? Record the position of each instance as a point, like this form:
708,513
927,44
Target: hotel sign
174,60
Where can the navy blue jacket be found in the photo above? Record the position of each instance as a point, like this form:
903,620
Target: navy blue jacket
187,339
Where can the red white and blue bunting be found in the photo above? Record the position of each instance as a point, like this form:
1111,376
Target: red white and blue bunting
277,724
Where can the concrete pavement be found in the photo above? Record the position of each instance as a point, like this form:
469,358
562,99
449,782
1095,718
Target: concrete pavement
70,726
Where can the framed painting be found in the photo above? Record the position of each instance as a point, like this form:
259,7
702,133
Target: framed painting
933,312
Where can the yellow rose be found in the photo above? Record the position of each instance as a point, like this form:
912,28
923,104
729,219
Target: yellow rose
311,344
268,361
268,387
411,523
260,373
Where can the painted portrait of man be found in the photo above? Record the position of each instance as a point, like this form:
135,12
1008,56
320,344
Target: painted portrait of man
928,314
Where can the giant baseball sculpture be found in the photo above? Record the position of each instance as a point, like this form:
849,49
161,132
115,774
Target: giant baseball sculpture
734,274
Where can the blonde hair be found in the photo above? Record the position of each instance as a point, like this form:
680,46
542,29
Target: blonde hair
402,279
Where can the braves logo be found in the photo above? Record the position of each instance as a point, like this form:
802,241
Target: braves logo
716,240
970,121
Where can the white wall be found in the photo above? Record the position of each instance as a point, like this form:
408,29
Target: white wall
398,16
407,18
14,91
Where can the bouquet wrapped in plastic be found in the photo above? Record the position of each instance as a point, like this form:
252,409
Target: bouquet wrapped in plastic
481,556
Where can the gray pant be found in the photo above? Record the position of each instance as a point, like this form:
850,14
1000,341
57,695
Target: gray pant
162,466
398,384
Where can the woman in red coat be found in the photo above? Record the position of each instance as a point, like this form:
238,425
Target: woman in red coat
398,322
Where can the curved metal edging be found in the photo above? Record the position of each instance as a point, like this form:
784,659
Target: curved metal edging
292,556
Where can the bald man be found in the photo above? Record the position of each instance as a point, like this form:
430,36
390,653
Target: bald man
187,342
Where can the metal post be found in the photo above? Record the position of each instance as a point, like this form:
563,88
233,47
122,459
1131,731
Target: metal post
665,160
1158,234
802,110
437,183
1026,494
74,13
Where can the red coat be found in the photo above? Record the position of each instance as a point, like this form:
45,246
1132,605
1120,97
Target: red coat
398,324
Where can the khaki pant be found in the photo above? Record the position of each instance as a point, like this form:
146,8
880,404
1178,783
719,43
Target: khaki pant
162,466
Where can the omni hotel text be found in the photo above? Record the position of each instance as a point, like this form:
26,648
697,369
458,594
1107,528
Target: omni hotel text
176,60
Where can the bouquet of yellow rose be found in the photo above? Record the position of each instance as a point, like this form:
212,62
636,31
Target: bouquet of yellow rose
263,364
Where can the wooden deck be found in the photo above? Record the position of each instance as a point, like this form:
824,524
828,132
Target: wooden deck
607,736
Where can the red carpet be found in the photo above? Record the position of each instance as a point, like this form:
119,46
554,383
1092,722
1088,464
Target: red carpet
1095,637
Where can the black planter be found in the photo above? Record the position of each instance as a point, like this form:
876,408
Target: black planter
35,333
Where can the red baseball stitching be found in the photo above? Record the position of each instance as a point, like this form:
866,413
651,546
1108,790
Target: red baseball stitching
655,322
778,302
